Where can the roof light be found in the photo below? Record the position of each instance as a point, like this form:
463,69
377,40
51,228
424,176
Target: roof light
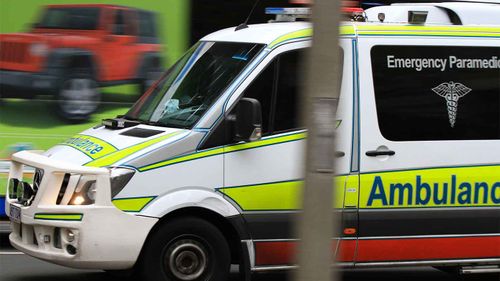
417,17
288,14
291,14
289,11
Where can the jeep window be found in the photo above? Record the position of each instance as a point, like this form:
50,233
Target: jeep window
192,85
436,92
122,23
147,28
83,18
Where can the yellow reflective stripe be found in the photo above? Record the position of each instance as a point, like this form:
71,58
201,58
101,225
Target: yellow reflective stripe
428,30
61,217
112,158
307,33
277,196
346,30
132,204
351,191
91,146
265,142
438,187
180,159
228,149
304,33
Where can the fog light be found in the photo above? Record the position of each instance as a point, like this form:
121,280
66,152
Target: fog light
70,236
71,250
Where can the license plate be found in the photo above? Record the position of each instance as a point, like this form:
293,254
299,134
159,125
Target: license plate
15,213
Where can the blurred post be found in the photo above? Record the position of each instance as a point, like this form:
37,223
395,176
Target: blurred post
317,223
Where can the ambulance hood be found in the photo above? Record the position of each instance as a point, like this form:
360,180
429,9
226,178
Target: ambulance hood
103,147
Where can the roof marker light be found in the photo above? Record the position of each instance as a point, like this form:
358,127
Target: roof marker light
417,17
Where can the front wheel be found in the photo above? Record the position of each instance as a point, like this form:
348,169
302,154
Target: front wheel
78,96
186,249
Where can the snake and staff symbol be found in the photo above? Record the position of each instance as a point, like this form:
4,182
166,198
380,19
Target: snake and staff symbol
452,92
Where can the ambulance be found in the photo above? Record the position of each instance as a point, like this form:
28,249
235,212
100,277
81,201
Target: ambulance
205,171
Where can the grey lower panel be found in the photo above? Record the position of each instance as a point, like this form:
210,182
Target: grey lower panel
280,225
431,221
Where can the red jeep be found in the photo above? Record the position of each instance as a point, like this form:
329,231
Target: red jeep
74,49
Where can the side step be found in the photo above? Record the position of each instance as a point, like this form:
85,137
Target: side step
4,226
480,269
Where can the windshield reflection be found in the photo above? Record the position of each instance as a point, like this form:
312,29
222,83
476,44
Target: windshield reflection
192,85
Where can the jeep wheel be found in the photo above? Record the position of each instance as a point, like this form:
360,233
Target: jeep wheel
186,249
78,96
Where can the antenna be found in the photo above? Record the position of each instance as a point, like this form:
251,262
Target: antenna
244,24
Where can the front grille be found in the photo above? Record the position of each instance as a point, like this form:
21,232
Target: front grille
13,52
37,179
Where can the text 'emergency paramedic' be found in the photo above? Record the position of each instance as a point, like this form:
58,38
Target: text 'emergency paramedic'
452,62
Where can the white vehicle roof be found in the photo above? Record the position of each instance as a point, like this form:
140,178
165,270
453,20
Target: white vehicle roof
257,33
440,13
476,19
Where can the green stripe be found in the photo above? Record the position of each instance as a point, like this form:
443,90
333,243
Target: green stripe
277,196
345,30
227,149
135,204
114,157
395,30
59,217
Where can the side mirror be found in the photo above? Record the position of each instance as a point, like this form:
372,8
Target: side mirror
248,123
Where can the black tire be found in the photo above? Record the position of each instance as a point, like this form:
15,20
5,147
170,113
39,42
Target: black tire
150,77
185,249
78,95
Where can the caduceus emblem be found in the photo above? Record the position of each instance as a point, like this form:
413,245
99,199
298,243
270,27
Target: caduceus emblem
452,92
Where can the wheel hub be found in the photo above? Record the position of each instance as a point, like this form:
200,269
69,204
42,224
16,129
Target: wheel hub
186,259
79,96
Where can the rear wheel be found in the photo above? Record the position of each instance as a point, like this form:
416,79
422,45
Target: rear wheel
78,95
186,249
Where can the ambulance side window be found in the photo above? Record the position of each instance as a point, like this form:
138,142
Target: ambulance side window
276,88
286,111
426,93
261,89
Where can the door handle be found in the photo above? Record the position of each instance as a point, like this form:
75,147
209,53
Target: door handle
375,153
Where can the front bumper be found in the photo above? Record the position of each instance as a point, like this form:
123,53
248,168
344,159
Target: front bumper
103,237
21,83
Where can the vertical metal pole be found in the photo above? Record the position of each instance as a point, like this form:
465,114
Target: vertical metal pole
317,222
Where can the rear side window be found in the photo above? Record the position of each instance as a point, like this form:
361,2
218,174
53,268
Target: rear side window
437,92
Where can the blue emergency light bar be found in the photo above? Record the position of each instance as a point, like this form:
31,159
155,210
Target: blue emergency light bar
288,11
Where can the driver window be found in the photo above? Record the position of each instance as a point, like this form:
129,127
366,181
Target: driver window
277,89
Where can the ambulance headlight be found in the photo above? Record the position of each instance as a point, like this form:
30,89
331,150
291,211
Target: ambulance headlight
85,194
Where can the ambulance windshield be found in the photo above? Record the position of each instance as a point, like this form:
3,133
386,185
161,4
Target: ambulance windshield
192,85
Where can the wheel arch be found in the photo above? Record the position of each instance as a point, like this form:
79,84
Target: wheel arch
204,204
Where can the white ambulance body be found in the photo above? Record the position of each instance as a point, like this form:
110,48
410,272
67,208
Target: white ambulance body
206,169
